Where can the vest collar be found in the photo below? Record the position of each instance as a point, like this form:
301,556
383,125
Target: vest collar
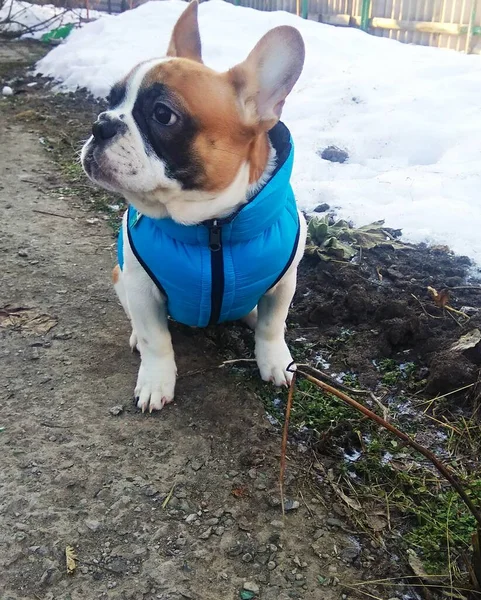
252,218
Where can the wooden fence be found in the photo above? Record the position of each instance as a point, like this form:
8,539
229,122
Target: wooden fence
454,24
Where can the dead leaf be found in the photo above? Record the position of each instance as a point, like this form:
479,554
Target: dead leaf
441,298
379,274
26,319
240,492
418,568
71,559
354,504
376,523
416,565
467,341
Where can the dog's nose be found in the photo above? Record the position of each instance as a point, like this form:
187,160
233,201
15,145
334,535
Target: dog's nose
105,127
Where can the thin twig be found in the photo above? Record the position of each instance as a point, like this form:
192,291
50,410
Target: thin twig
246,362
388,512
448,545
423,309
445,472
324,375
284,440
51,214
11,19
169,496
449,313
442,424
346,585
311,514
456,391
458,312
384,409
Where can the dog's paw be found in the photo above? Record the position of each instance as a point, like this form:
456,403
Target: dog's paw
155,384
273,358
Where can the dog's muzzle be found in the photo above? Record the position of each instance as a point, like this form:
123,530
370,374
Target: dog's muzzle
107,129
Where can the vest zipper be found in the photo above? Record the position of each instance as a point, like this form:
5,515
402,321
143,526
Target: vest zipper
217,271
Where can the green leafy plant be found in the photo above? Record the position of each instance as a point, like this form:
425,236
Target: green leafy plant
339,240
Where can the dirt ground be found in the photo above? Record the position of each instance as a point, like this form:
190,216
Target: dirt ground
185,503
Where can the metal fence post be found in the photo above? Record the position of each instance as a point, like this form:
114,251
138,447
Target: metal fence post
365,8
305,9
472,20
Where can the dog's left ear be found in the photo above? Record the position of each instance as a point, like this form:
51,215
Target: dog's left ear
185,40
264,80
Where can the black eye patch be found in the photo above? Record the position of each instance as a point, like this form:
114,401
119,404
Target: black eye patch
174,145
116,95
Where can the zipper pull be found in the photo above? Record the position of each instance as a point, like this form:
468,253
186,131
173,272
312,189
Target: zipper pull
215,237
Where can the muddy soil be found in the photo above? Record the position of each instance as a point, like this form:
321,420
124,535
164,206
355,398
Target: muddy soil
383,305
182,504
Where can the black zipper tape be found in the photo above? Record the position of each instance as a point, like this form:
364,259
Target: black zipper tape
217,271
291,257
141,261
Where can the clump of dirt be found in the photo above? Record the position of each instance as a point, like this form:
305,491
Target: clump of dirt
383,305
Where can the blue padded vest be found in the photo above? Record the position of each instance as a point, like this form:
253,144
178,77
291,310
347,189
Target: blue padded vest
218,270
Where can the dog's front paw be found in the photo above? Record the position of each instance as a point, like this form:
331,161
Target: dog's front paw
273,358
155,383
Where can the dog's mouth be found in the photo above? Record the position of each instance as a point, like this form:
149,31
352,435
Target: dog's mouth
95,166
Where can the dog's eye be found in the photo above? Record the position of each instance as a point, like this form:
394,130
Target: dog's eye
164,115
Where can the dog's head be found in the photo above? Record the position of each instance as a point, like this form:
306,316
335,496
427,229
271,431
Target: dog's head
182,140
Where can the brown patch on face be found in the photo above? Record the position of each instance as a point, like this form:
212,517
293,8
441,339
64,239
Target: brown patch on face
224,141
115,274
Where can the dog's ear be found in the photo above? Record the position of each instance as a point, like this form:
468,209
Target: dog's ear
264,80
185,40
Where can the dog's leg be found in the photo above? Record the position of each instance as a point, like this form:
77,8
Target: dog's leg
147,309
117,279
272,354
157,372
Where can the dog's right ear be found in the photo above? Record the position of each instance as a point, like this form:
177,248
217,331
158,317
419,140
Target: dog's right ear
185,40
263,81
